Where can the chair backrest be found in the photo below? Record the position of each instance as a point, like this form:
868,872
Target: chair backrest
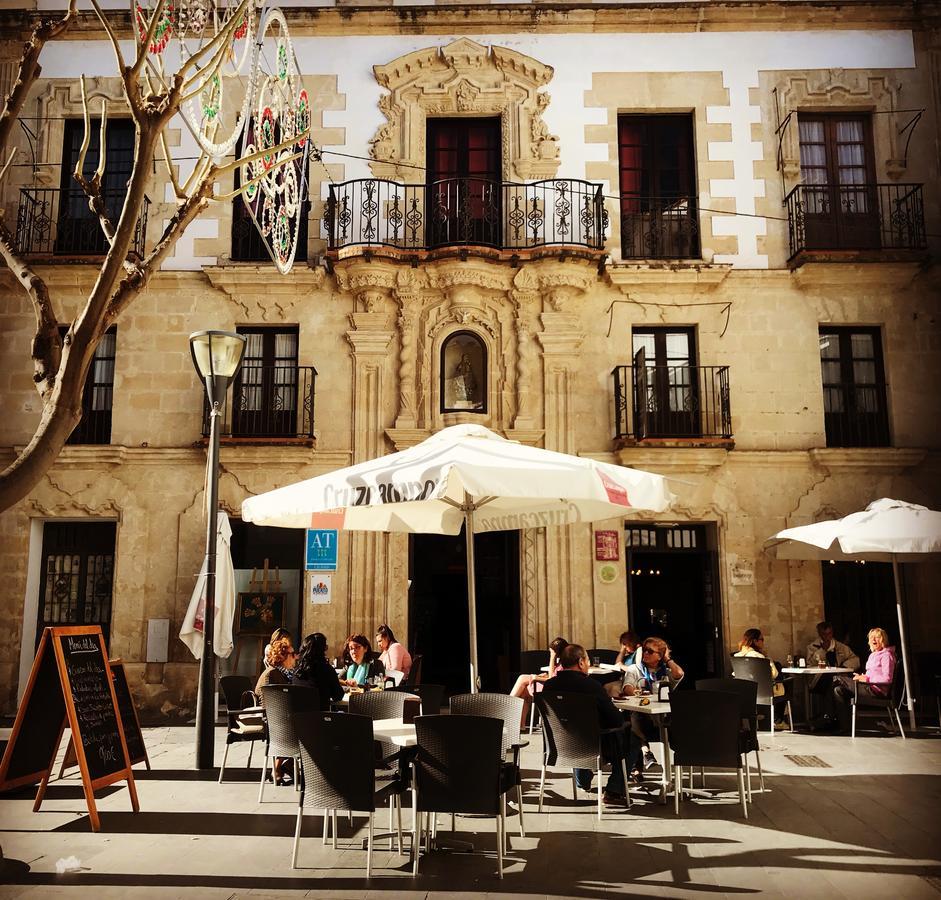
281,702
457,766
745,689
608,657
571,732
336,751
532,661
379,704
233,686
507,709
757,669
432,696
898,680
704,728
413,678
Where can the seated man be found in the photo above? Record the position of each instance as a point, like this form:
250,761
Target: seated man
826,650
656,665
574,678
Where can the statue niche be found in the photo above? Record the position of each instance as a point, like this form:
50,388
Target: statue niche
463,373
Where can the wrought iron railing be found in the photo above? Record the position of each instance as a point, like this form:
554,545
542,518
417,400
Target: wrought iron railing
268,402
660,227
856,415
53,222
465,211
672,402
856,217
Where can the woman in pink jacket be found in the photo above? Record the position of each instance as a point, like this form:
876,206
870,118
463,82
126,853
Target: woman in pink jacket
393,655
875,684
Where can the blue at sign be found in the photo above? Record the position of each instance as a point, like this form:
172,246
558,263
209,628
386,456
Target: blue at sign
321,549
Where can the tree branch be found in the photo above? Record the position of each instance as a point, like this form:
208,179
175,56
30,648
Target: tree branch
92,186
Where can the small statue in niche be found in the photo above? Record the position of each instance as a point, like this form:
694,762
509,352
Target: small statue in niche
463,388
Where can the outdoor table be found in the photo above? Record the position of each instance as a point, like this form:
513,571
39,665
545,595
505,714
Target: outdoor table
603,669
813,670
659,711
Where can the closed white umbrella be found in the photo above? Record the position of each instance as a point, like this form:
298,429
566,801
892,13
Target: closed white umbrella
191,632
464,476
886,531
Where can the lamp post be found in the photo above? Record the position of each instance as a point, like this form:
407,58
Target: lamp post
217,356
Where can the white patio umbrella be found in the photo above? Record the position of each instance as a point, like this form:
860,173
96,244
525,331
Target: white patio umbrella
886,531
191,631
469,476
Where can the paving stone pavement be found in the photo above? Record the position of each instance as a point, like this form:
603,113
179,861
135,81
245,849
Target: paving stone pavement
867,825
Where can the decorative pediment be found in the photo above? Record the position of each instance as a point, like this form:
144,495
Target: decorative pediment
464,78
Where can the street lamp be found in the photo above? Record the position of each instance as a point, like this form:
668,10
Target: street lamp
217,356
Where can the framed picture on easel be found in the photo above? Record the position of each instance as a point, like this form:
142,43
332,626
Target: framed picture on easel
259,612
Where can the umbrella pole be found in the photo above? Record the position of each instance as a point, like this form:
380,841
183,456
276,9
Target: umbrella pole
910,700
468,508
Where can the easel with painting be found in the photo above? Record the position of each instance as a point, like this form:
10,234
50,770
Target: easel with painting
260,610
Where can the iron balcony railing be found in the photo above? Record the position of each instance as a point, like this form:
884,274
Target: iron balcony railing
672,402
463,212
664,227
268,402
55,222
856,415
856,217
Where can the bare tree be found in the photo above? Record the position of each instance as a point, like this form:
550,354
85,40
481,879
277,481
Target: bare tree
184,55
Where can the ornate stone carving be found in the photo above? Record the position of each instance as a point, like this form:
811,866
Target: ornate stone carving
464,77
844,90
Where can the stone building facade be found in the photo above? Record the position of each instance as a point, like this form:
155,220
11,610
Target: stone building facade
696,239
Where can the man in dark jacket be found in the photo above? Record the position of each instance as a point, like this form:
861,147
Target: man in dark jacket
574,679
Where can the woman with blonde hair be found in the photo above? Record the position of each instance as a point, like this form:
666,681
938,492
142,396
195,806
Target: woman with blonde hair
876,683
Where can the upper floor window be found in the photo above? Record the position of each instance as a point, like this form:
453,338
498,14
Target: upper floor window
659,217
265,399
463,373
77,227
98,394
854,390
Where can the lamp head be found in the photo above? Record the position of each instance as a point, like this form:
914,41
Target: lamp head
217,353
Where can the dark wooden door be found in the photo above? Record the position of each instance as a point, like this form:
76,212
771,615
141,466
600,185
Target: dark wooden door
464,172
77,575
841,202
264,400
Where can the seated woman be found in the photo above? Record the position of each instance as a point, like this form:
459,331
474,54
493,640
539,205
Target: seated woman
527,684
276,635
313,670
876,683
279,661
656,665
392,654
364,665
753,644
629,653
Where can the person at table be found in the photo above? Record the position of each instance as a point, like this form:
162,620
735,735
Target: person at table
364,663
573,678
876,683
277,634
392,654
752,645
311,669
528,684
828,651
629,652
656,665
280,661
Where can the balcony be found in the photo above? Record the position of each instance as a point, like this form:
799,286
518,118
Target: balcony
660,227
268,404
465,212
51,222
682,404
856,220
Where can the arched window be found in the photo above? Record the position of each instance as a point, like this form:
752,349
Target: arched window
463,373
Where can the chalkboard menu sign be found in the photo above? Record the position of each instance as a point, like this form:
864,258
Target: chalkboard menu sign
70,683
136,751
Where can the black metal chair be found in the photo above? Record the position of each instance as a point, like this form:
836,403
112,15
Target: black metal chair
281,702
704,731
237,690
413,679
868,705
572,737
432,696
508,710
458,768
336,758
380,704
532,663
757,669
608,657
747,692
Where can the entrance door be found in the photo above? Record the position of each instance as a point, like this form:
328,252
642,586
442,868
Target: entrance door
673,593
464,182
438,608
666,387
857,597
77,575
